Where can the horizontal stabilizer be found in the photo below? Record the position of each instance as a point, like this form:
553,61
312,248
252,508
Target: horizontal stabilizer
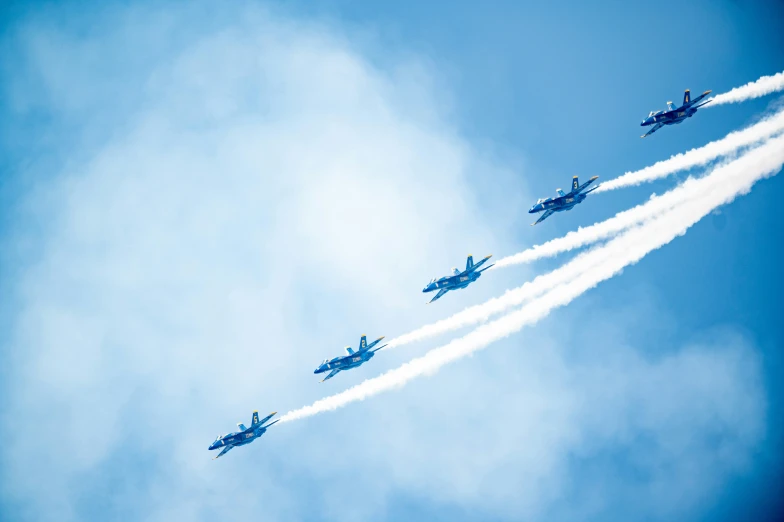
377,349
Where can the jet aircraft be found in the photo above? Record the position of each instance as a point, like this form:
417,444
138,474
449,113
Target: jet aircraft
674,115
458,279
564,201
351,360
244,436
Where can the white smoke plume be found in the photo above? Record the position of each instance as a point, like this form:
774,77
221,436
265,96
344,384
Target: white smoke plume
762,87
699,156
689,191
624,250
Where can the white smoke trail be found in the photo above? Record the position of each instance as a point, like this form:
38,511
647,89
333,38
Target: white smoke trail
624,250
700,156
763,86
690,190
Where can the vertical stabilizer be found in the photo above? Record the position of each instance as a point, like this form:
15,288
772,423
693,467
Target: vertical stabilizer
686,96
255,419
349,350
363,343
469,262
575,183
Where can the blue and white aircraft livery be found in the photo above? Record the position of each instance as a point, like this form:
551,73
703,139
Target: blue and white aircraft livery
563,201
458,279
244,436
351,360
674,115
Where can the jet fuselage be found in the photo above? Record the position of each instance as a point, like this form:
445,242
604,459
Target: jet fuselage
558,204
345,362
454,282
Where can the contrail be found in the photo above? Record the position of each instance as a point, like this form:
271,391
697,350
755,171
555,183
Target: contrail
690,190
700,156
624,250
763,86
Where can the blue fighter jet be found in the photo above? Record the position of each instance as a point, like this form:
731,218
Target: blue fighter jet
458,279
351,360
244,436
563,201
674,115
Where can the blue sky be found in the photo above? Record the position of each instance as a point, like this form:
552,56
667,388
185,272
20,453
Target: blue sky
202,201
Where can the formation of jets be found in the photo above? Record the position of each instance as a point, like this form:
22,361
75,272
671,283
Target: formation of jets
459,280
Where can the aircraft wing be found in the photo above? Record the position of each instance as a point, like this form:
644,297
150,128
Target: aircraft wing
547,214
585,185
377,349
331,375
438,295
225,451
654,129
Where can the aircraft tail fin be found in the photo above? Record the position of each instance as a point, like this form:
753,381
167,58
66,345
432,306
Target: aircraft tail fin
377,349
241,426
485,268
349,350
255,419
560,192
575,183
469,262
686,96
363,343
271,423
670,106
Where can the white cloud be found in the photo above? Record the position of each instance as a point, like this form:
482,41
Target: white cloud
266,197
